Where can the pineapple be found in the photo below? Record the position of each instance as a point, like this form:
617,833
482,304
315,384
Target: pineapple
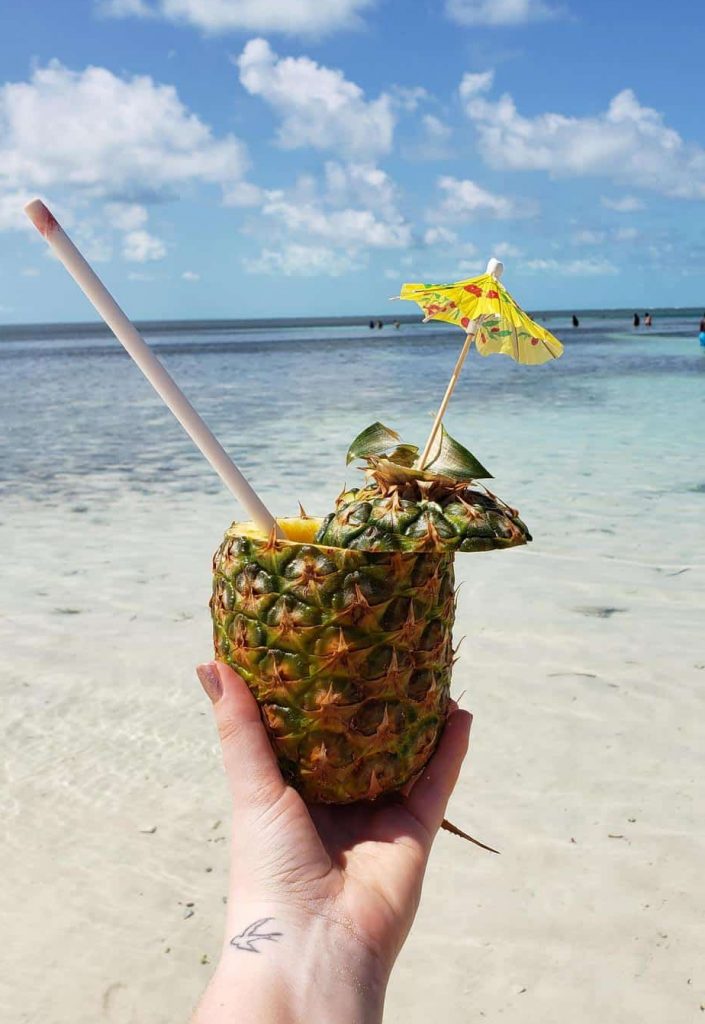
343,630
347,652
403,508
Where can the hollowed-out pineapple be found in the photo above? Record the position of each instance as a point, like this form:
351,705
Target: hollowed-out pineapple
343,630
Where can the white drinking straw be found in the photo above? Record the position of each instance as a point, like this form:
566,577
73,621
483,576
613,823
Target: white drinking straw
96,292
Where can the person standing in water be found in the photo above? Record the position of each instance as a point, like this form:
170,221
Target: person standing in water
647,319
576,322
636,321
702,330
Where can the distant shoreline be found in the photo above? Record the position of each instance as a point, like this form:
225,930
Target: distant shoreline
85,329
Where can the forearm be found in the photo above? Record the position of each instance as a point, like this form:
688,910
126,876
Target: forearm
291,968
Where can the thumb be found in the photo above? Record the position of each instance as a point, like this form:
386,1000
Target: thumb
431,792
250,763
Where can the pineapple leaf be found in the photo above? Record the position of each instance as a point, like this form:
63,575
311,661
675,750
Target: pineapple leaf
404,455
453,460
393,473
374,440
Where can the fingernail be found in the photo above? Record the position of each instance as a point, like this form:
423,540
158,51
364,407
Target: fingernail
210,680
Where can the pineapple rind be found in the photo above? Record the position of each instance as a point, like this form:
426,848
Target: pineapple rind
348,653
458,519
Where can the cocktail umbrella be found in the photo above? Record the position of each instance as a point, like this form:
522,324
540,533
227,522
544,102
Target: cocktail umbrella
488,314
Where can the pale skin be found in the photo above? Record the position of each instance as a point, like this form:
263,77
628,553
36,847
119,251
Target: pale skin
320,898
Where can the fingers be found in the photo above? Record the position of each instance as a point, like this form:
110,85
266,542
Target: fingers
429,797
250,764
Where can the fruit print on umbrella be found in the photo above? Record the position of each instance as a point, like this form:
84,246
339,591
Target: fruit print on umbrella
483,305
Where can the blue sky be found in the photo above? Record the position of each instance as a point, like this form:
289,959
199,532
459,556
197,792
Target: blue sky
233,158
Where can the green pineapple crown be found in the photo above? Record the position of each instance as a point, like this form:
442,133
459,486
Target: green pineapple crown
392,463
403,506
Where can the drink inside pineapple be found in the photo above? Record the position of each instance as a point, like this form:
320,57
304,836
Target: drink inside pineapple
348,653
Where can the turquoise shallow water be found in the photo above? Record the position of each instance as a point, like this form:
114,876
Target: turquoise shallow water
583,660
79,423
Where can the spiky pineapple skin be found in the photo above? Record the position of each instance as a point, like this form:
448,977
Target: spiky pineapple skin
443,519
348,653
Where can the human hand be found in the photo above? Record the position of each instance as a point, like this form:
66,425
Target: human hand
327,893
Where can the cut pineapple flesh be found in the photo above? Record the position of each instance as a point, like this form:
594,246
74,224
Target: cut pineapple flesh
301,529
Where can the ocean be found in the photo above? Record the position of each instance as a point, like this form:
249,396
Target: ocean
583,660
80,425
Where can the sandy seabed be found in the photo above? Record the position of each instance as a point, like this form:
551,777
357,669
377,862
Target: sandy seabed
584,666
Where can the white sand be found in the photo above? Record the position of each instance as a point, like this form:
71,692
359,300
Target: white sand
586,770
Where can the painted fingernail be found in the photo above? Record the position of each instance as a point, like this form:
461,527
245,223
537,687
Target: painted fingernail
210,680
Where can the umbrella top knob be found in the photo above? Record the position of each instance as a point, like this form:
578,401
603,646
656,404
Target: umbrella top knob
495,267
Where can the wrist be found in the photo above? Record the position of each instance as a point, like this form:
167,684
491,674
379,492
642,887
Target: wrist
289,966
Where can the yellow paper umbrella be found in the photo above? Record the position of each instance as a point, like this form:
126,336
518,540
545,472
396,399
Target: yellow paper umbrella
484,309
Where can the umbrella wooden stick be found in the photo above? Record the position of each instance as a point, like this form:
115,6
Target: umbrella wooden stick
446,398
96,292
495,268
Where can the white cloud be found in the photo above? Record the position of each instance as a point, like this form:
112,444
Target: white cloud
439,235
351,210
361,184
93,243
592,236
298,260
506,250
126,216
450,247
298,17
586,236
408,98
113,140
243,194
111,137
12,215
627,142
432,140
475,82
573,268
435,139
138,245
500,12
30,272
141,247
317,105
626,234
435,129
466,200
190,275
139,275
623,204
348,227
